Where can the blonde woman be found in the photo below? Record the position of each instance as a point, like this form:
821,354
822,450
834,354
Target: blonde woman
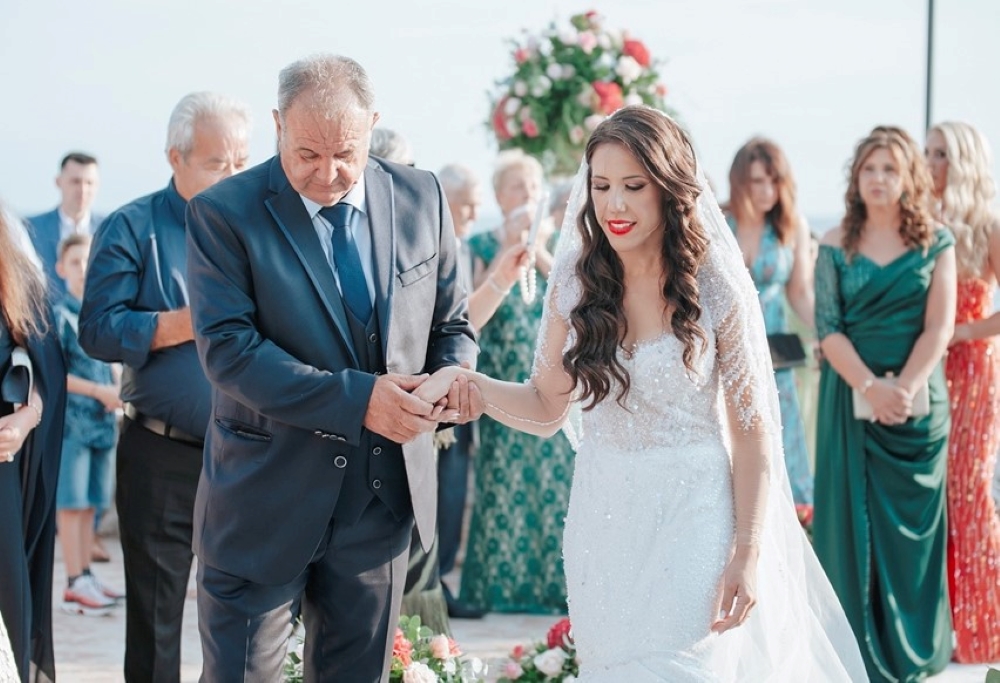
514,558
960,163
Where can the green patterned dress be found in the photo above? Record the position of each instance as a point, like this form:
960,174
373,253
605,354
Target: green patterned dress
513,562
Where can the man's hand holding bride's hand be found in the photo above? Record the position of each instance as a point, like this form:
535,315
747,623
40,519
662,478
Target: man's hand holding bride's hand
457,400
739,590
395,412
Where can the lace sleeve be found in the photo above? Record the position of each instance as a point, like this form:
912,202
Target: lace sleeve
829,305
736,320
554,333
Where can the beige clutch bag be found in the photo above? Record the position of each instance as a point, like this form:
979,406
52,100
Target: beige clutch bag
921,403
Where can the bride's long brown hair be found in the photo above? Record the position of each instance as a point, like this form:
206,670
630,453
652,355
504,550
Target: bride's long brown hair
598,320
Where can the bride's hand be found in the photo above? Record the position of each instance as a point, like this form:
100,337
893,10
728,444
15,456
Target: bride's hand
739,591
437,386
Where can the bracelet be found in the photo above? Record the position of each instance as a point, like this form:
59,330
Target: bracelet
38,412
496,288
866,385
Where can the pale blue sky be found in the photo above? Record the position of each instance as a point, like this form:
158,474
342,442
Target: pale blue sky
815,75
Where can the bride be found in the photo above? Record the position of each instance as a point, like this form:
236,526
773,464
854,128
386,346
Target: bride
684,557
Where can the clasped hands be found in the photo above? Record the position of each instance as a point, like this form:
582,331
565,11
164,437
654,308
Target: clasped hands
892,403
402,407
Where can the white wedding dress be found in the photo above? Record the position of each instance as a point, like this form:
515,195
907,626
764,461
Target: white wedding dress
651,519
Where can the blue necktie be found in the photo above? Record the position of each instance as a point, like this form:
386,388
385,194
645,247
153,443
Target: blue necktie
353,286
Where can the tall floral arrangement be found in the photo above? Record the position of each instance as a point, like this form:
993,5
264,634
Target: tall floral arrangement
566,80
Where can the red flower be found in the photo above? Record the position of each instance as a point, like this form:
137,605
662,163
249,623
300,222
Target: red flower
637,51
530,128
402,649
500,121
517,653
661,89
560,634
609,96
521,55
805,514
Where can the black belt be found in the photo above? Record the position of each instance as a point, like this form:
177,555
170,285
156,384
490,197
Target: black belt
162,428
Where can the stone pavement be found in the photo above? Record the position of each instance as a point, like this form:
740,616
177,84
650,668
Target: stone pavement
90,649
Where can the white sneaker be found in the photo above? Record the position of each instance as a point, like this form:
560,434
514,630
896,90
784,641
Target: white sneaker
84,597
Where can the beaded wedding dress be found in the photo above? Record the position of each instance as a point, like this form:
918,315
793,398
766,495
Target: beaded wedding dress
651,521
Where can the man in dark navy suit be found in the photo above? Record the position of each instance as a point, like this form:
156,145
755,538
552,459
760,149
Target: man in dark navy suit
77,181
324,285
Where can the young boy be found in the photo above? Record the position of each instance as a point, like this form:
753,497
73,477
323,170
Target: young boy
85,475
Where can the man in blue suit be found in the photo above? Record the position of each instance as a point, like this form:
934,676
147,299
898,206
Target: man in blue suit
78,180
324,285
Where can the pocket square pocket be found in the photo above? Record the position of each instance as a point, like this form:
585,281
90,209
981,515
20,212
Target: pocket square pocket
17,381
417,272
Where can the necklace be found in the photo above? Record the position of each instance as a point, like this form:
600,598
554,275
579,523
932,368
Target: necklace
529,279
629,350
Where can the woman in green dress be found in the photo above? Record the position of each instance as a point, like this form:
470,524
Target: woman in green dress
513,561
885,306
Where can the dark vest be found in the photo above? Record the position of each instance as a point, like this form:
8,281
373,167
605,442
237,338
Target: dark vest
376,467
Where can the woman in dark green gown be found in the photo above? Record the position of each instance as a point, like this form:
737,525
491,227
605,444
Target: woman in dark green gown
885,302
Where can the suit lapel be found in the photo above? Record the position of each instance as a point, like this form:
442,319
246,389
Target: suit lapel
294,221
381,223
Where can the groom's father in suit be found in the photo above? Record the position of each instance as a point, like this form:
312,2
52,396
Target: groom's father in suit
135,311
323,285
77,181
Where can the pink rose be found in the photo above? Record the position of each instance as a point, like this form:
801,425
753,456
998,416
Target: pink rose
512,670
521,55
530,128
661,89
588,41
440,647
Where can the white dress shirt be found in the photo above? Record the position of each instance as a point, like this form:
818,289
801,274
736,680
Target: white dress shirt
361,231
67,227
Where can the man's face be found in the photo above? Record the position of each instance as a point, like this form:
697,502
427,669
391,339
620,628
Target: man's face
219,150
78,185
322,157
464,204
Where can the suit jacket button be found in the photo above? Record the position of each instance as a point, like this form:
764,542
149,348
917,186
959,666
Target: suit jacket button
340,462
372,338
376,450
377,484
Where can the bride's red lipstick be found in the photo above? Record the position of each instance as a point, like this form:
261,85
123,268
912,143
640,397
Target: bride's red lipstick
620,227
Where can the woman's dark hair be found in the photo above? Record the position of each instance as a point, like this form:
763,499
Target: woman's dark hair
784,214
598,320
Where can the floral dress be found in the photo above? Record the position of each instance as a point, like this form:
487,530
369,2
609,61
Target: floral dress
514,562
770,272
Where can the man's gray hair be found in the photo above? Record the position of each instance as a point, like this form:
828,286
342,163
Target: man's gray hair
325,77
456,177
391,146
199,106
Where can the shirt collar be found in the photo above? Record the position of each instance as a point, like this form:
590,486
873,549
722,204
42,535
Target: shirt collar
355,197
176,202
74,225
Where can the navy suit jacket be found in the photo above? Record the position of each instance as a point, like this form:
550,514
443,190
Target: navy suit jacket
288,394
45,231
